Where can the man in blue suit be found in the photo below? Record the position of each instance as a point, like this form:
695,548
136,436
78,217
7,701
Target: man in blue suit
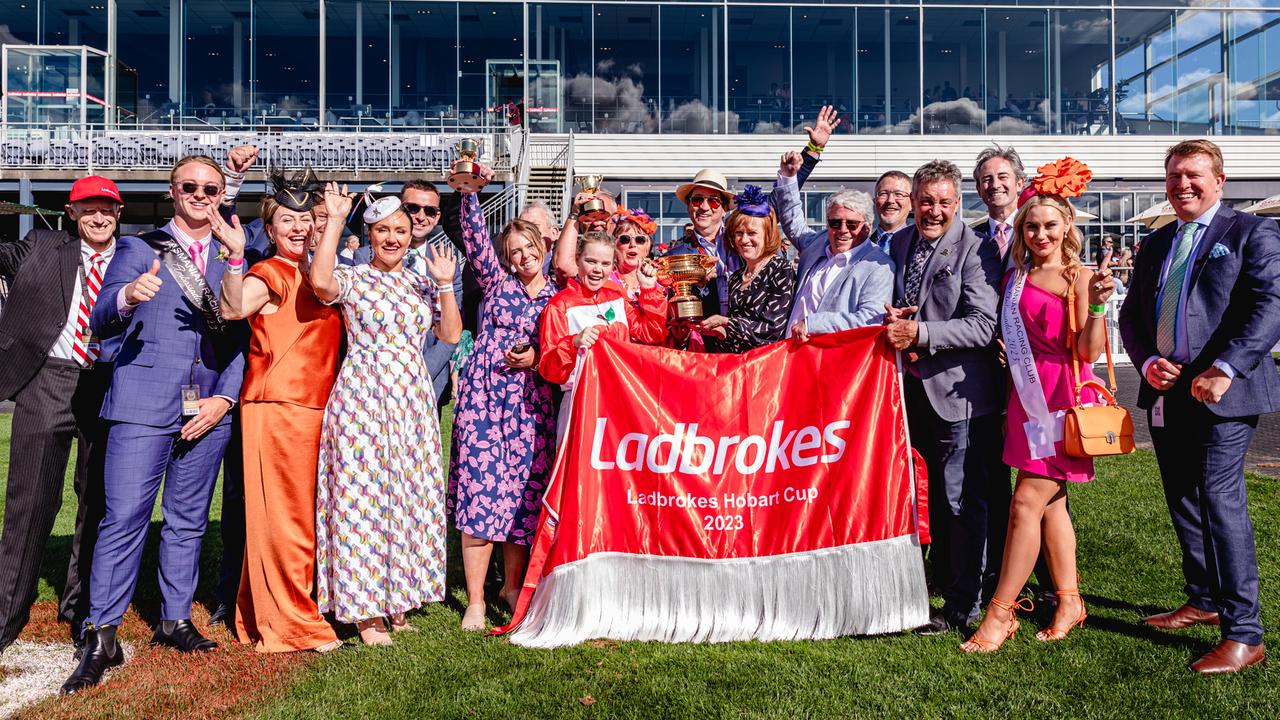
1201,317
178,372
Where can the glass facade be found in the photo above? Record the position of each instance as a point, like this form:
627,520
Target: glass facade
925,67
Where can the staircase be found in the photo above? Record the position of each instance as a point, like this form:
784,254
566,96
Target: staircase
543,171
547,183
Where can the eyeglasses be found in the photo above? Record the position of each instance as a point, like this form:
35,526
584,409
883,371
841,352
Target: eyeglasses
895,194
852,226
712,201
414,209
190,187
632,239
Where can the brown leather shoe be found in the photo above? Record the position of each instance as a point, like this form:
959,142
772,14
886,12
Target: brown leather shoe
1228,657
1182,618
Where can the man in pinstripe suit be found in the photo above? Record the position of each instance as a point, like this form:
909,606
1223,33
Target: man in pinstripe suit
57,374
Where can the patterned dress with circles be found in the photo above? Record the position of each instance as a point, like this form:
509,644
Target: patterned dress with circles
380,495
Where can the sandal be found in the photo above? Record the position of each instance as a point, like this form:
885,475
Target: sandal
1051,633
974,644
328,647
373,631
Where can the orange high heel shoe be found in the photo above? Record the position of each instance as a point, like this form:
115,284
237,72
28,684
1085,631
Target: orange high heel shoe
1052,634
973,644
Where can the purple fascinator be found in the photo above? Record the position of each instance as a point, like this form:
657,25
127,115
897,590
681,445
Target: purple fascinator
752,201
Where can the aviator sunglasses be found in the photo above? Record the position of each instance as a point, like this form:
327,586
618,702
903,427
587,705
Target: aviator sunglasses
852,226
712,201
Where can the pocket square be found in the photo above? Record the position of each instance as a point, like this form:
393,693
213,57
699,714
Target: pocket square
1218,250
943,273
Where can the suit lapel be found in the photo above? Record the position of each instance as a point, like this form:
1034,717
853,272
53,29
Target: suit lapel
899,251
1218,229
940,257
69,268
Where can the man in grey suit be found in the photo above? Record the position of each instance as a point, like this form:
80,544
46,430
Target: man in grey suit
843,281
944,319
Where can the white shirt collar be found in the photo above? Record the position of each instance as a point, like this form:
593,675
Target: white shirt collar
185,240
87,252
1204,220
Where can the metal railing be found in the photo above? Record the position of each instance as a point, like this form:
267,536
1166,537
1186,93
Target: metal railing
347,152
502,208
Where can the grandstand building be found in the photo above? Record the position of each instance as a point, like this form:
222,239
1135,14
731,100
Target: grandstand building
644,93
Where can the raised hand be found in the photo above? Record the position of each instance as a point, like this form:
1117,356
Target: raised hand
145,286
822,128
790,164
441,264
337,201
230,236
241,158
647,274
1102,285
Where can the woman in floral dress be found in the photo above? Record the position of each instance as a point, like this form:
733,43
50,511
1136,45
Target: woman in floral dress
380,494
504,423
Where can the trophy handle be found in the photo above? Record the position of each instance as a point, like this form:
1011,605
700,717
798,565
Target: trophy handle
708,262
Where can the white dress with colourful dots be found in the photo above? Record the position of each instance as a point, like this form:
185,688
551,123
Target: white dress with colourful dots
380,492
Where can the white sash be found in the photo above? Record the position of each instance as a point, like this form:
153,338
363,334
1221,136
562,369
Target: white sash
1043,428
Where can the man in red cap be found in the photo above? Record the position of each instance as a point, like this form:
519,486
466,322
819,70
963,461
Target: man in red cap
56,371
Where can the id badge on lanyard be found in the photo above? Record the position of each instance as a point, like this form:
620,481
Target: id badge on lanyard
191,394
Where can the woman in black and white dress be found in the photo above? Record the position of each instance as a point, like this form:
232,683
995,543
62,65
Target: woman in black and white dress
760,292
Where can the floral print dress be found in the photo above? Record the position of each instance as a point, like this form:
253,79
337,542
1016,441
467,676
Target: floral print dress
380,523
505,421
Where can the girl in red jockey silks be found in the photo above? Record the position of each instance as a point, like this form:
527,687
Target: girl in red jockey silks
592,306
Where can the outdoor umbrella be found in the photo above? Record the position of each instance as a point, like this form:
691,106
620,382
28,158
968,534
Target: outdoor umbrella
1270,206
1156,216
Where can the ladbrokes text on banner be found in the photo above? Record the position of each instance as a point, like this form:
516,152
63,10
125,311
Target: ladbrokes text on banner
724,497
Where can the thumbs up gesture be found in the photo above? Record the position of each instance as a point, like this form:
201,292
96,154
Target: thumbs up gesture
145,287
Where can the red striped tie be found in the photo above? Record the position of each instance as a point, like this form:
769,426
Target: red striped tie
93,282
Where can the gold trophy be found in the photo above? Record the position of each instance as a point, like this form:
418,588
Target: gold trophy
681,273
464,176
593,210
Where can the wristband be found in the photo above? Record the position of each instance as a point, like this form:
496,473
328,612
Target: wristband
1097,315
444,288
234,262
235,269
814,148
1097,309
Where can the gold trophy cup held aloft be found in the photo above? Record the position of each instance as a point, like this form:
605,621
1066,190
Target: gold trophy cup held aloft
464,176
593,210
683,272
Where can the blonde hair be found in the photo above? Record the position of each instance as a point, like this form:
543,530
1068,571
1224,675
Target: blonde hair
1187,148
196,160
1072,241
595,237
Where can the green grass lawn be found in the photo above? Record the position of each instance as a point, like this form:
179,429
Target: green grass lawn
1113,667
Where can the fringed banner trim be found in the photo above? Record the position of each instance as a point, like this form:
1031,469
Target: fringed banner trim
864,589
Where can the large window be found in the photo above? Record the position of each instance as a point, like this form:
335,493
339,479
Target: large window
149,42
286,59
216,78
18,23
760,69
1169,72
1253,64
357,64
691,84
490,59
626,68
424,70
887,94
560,52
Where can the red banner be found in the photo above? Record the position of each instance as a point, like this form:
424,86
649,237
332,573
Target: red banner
725,497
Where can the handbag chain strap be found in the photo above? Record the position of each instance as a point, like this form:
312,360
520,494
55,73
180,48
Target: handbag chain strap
1071,341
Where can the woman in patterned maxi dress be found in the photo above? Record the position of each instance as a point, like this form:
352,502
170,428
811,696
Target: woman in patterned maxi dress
504,424
380,525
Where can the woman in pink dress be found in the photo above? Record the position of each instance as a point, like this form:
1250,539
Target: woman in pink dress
1034,326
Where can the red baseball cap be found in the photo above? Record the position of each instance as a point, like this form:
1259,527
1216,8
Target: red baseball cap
95,186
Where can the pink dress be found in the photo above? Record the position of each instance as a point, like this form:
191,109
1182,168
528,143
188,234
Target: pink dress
1045,317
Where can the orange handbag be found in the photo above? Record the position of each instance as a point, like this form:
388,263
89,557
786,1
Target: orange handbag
1094,430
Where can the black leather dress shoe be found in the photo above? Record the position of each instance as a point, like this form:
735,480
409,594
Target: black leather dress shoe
221,615
101,653
938,624
182,636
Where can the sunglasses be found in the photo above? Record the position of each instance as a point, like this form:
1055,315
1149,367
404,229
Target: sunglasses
712,201
190,187
414,209
632,239
851,225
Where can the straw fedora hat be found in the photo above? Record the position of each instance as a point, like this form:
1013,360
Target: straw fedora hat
709,179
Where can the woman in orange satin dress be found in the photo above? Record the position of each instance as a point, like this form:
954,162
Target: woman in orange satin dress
293,360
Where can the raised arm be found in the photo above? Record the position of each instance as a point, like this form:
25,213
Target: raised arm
338,202
565,260
443,266
480,252
785,199
648,322
240,296
13,253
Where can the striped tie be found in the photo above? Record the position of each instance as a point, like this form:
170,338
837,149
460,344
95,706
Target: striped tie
1167,322
87,354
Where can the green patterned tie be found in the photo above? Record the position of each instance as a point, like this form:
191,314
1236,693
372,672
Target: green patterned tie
1167,322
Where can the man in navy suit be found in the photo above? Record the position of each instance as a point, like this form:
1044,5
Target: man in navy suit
1201,317
177,374
1000,177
